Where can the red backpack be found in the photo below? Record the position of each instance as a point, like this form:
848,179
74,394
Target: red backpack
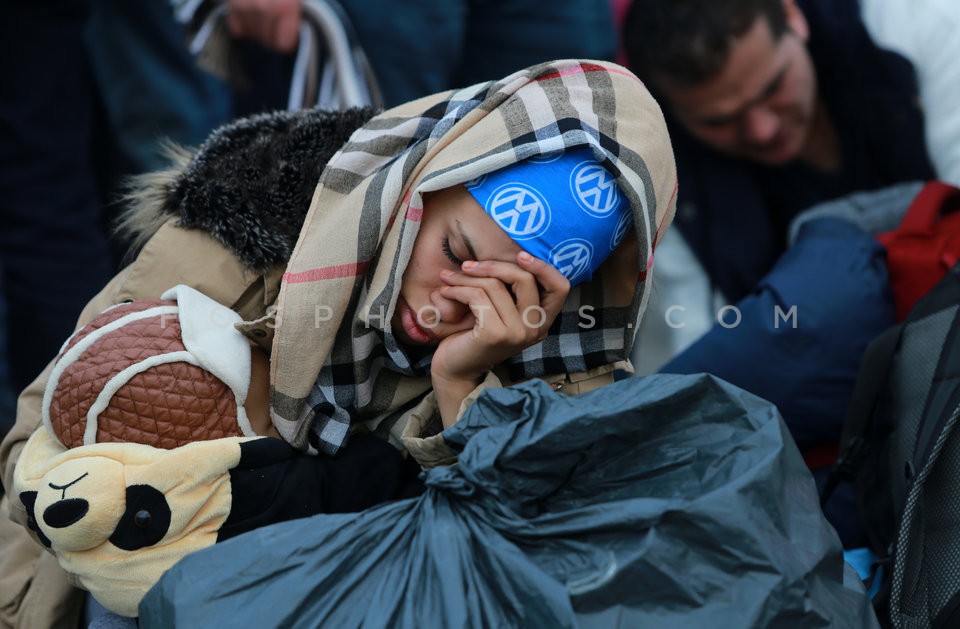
925,246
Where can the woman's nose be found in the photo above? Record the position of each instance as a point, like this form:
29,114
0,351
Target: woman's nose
448,311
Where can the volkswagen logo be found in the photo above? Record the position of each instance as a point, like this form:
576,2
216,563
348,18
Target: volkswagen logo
519,210
594,189
621,230
546,158
475,183
572,258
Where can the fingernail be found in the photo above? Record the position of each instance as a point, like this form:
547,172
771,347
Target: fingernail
469,264
446,273
525,257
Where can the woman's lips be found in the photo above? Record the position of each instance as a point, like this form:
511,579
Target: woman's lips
408,321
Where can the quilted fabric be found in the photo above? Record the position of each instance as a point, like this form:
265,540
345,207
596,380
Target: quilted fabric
166,406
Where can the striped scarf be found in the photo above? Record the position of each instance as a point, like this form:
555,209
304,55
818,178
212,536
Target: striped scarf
335,361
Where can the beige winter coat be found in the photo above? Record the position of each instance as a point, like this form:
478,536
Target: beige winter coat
34,591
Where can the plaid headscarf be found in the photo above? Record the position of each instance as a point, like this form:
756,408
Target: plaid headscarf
335,360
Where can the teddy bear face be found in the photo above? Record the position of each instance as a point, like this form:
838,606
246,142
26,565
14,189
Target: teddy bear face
117,516
83,513
78,503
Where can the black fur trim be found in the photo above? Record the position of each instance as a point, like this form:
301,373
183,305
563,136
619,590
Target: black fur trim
251,182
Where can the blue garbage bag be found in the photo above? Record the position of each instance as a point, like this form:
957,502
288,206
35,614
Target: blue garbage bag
665,501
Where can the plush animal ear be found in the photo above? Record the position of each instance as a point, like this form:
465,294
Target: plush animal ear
38,457
29,499
145,521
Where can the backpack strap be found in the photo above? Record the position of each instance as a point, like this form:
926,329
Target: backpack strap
944,396
871,381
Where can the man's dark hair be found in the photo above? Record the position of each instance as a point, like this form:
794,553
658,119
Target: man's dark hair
687,42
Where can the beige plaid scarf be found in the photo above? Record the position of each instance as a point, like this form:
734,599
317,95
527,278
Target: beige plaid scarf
335,361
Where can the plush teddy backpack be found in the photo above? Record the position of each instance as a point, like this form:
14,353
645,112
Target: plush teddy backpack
146,452
162,373
901,451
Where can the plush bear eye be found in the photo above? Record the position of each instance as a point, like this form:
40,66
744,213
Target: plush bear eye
29,499
142,519
145,521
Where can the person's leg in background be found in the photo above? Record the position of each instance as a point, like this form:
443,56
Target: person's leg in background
95,86
419,47
414,46
507,35
53,250
151,89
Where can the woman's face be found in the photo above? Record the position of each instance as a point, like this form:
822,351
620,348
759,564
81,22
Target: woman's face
453,229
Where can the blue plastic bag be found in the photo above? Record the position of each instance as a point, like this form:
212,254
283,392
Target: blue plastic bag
666,501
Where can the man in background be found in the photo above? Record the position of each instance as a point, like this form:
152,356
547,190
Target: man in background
777,105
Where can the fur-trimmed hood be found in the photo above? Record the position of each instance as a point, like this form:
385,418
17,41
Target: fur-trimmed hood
249,185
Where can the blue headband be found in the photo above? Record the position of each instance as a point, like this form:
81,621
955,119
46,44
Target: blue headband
567,210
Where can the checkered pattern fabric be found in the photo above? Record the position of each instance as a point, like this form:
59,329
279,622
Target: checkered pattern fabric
335,361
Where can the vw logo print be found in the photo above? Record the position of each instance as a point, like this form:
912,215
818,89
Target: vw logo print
545,158
594,189
621,230
475,183
519,210
572,257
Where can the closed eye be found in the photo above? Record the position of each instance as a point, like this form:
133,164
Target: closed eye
448,251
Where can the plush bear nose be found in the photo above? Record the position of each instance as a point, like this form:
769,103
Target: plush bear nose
64,513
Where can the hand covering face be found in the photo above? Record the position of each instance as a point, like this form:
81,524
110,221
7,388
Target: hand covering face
335,360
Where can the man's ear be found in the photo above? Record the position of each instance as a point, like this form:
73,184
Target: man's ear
796,22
